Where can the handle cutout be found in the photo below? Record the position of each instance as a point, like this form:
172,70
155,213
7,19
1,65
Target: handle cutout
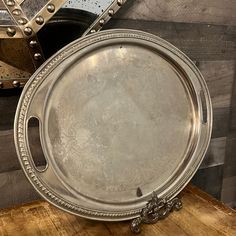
204,107
35,146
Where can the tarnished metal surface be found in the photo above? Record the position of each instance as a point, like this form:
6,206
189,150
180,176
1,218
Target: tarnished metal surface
121,116
23,19
25,26
97,7
30,16
12,77
32,8
15,52
5,18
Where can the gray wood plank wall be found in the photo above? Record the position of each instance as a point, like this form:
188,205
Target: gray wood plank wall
192,11
206,32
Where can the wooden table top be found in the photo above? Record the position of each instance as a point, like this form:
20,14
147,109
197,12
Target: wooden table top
201,215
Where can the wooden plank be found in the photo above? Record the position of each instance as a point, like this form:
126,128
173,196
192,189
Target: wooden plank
198,41
229,178
8,104
219,76
220,122
210,180
8,156
232,123
230,160
201,215
228,194
15,189
221,12
215,155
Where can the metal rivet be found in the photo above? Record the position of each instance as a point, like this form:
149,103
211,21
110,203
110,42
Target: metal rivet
33,43
10,3
16,84
93,31
22,21
102,22
120,2
16,12
39,20
37,56
111,12
1,85
28,31
51,8
11,31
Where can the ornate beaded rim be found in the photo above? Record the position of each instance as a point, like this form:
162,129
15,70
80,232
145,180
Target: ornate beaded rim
20,120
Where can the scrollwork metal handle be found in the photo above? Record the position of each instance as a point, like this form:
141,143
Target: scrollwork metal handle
155,210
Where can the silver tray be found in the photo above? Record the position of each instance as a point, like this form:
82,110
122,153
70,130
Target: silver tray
122,114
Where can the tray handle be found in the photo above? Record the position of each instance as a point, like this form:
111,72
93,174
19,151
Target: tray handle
204,117
33,138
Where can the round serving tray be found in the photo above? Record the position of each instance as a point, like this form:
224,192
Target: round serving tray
122,114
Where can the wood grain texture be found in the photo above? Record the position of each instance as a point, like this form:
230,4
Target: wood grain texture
197,11
8,156
8,104
219,76
201,215
215,155
228,194
210,180
229,178
230,160
15,189
221,122
232,123
198,41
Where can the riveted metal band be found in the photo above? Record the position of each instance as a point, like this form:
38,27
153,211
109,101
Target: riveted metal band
105,16
39,20
19,1
23,27
13,83
9,31
8,28
28,32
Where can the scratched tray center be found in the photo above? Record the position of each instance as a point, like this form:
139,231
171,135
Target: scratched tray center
109,128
